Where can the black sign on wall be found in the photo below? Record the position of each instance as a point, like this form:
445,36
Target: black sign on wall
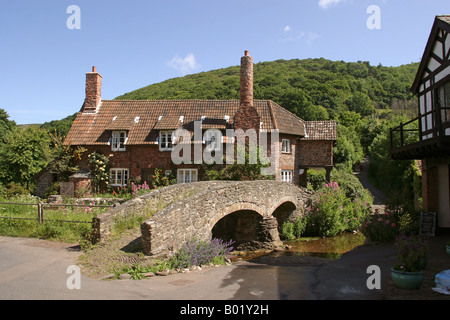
427,223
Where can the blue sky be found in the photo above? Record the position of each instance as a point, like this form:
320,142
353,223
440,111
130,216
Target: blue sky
134,43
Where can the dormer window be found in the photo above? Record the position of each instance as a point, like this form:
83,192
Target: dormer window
119,139
165,141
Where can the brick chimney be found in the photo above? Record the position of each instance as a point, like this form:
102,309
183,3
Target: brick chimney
246,117
93,91
246,80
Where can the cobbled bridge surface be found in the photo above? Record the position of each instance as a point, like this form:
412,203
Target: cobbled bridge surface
247,212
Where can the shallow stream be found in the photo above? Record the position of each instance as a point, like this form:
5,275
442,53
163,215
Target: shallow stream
330,248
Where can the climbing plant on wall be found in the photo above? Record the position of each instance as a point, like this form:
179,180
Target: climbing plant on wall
98,165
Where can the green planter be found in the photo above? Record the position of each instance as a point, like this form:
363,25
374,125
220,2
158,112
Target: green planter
407,280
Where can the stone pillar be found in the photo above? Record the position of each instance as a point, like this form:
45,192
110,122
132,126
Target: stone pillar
269,232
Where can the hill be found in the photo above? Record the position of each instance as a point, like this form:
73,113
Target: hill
311,88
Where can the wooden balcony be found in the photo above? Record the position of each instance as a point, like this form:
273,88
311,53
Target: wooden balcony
407,141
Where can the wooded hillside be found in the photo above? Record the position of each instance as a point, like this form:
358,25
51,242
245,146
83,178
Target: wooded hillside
311,88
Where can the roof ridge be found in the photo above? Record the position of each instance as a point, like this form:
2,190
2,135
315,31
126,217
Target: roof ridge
286,110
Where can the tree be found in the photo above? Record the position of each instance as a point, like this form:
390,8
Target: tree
6,125
24,154
60,127
296,101
348,150
394,177
360,103
63,157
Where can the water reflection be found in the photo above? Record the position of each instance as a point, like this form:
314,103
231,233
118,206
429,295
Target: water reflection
330,248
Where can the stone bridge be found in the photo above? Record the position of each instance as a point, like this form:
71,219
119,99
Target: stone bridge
247,212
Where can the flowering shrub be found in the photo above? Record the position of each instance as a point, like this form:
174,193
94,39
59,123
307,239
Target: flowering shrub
137,190
197,252
412,253
161,180
382,227
332,212
98,165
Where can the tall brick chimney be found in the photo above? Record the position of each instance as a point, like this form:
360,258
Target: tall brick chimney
93,91
246,88
246,117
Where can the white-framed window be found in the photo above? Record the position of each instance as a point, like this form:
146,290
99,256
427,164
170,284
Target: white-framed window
286,146
213,140
165,141
119,139
286,175
187,175
118,177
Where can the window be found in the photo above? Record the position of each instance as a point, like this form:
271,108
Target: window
118,177
213,140
443,101
286,175
119,139
165,140
286,146
186,175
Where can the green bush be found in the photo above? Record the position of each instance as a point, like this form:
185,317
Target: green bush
351,186
15,189
292,230
287,231
54,189
316,179
381,227
332,212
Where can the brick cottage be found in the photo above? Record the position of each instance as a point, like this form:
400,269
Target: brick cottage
139,134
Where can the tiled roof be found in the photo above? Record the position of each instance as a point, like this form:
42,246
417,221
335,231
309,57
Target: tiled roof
444,18
144,118
321,130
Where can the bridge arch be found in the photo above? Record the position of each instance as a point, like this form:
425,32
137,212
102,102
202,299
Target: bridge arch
242,227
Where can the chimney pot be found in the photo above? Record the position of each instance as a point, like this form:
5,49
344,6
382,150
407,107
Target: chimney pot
94,69
246,53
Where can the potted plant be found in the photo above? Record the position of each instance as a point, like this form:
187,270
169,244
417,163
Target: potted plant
447,248
413,257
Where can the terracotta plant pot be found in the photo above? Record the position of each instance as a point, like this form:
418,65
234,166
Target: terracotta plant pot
407,280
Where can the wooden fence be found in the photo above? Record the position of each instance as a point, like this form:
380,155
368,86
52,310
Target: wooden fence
41,207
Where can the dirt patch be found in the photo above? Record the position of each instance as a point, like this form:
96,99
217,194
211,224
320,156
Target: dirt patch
113,254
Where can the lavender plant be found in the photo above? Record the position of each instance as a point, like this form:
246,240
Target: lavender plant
196,252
